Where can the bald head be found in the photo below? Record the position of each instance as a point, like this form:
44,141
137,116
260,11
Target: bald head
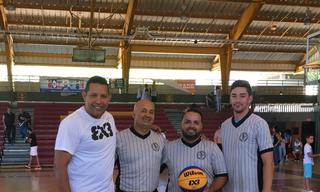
143,114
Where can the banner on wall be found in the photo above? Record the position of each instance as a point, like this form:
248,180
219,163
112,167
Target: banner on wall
188,85
68,85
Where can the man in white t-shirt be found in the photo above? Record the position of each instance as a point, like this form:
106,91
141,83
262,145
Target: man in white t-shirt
86,143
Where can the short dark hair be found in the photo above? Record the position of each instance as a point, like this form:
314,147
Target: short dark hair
193,108
242,83
308,135
96,79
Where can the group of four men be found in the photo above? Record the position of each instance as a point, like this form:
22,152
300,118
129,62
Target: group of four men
88,144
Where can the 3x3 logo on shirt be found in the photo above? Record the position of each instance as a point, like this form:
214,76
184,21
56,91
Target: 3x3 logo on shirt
99,132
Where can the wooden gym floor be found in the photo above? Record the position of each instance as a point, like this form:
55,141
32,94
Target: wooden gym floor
287,178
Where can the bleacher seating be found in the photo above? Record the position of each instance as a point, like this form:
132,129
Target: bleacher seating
47,117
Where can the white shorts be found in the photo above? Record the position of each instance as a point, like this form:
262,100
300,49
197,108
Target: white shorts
34,151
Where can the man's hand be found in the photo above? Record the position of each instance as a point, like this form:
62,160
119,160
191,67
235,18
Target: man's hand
156,128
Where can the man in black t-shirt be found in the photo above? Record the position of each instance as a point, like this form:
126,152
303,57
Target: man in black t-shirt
8,119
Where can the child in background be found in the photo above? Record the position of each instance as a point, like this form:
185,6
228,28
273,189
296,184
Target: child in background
32,140
308,162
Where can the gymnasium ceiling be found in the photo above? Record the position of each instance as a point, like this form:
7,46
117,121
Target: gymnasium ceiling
245,33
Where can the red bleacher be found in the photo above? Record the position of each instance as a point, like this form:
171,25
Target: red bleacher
47,116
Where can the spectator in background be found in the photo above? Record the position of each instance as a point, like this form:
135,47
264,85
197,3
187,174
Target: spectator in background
8,120
218,99
32,140
296,148
282,148
154,92
24,122
139,93
146,93
210,100
288,141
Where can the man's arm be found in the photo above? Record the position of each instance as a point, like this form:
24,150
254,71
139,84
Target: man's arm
61,160
218,183
268,166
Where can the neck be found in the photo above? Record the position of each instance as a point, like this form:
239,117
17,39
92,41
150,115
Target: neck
189,141
142,130
240,115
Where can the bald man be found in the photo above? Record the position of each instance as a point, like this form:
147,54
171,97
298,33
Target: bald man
139,151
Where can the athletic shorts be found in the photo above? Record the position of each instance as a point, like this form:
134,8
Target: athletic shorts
307,170
34,151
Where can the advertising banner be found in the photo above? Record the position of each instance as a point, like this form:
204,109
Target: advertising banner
69,85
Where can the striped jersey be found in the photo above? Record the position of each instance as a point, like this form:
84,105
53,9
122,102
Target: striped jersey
140,158
242,144
204,154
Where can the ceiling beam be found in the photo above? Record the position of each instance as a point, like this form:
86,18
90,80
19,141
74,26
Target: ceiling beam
92,65
8,45
128,21
175,49
84,6
120,8
266,62
138,47
235,34
245,20
148,58
124,54
278,2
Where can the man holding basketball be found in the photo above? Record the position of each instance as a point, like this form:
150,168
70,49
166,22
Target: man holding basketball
194,164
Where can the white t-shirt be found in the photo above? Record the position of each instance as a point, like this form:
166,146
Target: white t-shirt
307,159
92,144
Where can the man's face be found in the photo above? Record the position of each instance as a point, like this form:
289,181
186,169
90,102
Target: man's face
240,99
143,114
191,126
96,99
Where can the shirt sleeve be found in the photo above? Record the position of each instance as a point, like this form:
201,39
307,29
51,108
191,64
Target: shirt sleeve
68,137
264,137
164,157
218,162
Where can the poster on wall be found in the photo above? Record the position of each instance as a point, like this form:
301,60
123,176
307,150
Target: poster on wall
67,85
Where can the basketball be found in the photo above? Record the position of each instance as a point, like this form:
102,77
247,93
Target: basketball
192,179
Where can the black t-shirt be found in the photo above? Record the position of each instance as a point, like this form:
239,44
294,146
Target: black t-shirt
9,119
33,138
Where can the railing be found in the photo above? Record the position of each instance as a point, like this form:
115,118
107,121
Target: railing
274,87
285,108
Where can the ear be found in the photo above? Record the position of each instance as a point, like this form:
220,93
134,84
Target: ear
84,94
250,98
132,114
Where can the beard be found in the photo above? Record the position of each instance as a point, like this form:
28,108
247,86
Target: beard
190,134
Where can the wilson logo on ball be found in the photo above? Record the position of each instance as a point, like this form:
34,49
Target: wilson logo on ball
192,179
